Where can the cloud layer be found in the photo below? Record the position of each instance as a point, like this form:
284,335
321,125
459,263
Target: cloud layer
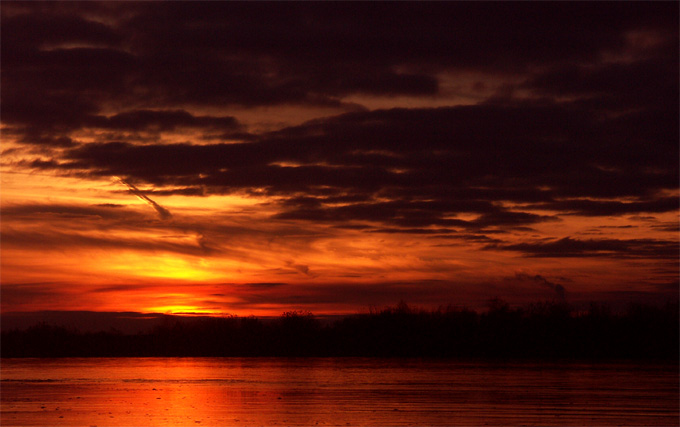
521,131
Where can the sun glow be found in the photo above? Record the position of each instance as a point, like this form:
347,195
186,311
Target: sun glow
167,266
183,310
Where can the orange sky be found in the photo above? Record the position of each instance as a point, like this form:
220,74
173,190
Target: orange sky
154,160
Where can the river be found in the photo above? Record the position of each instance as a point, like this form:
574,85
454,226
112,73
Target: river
333,392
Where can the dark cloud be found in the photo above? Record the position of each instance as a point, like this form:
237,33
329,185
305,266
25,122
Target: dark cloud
62,63
465,238
509,219
263,285
587,114
425,165
602,208
457,33
569,247
411,213
559,289
32,25
184,191
672,227
648,82
436,231
160,120
433,150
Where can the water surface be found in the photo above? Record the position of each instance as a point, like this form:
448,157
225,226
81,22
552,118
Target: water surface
333,391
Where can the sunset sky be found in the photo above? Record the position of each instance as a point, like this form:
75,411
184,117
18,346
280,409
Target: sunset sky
254,158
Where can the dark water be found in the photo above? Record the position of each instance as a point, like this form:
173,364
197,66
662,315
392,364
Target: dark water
310,392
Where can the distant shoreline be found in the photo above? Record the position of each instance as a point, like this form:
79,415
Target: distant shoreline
539,331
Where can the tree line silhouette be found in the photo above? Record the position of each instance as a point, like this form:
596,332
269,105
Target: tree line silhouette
544,330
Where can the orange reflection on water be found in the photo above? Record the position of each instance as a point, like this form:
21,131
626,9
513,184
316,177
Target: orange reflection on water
261,391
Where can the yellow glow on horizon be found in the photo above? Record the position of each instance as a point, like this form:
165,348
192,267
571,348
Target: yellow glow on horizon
166,266
182,309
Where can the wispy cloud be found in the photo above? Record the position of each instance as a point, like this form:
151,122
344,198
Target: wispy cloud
163,213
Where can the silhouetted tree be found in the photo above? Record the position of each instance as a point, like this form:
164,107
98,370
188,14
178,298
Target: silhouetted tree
548,329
